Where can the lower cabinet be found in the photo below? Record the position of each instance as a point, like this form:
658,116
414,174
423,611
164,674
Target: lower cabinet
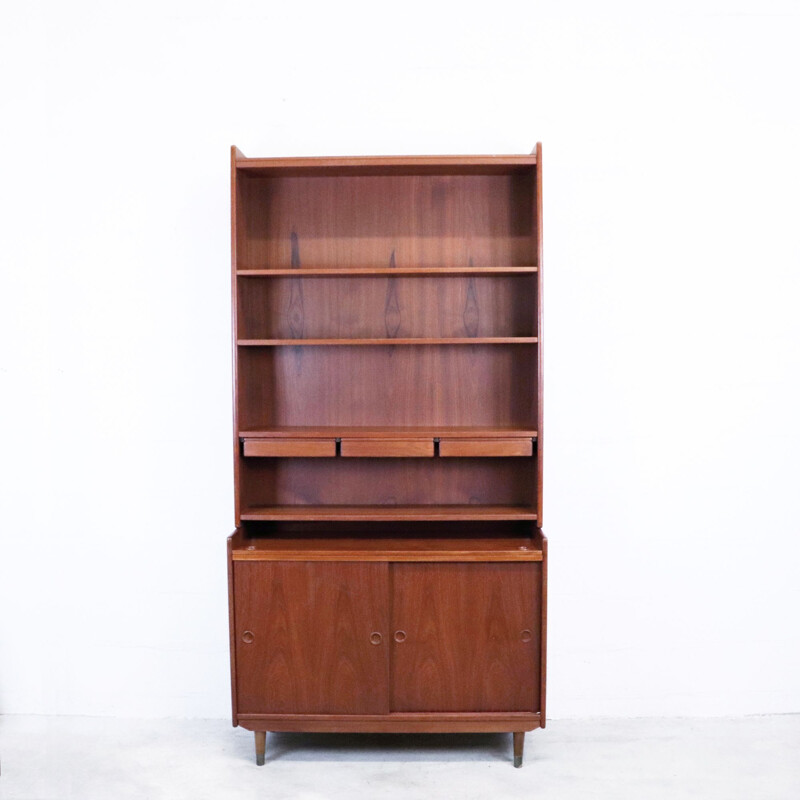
374,638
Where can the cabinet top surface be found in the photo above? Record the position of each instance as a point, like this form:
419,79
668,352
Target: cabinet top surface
386,165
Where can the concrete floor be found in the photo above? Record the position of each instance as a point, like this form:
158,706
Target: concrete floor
84,758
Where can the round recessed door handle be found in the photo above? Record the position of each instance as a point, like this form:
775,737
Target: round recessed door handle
526,635
399,636
375,638
248,637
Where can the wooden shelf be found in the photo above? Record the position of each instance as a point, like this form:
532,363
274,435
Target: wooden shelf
386,165
398,341
332,272
360,548
388,513
387,432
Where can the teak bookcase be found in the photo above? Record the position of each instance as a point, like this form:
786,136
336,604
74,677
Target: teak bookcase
388,570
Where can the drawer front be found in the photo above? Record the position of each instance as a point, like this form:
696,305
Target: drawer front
303,448
387,448
485,447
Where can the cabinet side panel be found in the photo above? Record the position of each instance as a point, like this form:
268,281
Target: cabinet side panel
232,625
540,332
543,672
234,329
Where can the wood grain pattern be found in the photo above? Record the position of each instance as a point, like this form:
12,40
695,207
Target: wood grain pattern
311,624
463,649
468,385
391,311
306,448
352,222
385,448
296,310
485,447
472,313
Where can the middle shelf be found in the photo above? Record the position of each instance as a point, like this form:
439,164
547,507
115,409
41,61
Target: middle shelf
388,431
388,513
384,341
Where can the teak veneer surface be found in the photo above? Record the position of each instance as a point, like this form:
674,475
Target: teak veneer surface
309,626
396,448
449,448
307,448
389,572
469,637
388,309
480,385
390,221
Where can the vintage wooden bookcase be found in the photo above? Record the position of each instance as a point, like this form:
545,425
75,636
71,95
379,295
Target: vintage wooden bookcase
388,570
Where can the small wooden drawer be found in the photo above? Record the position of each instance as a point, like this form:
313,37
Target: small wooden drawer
485,447
387,448
302,448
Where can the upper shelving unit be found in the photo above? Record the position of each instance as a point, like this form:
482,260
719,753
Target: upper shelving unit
386,340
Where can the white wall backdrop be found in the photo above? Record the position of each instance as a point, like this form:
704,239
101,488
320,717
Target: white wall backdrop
672,342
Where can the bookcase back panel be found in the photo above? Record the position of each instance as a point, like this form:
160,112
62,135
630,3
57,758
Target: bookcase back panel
392,385
397,481
380,307
382,221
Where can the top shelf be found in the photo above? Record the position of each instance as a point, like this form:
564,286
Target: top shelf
385,165
329,272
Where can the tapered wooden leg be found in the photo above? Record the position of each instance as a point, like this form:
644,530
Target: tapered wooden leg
519,743
261,747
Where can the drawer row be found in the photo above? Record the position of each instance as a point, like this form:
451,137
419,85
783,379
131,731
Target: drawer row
387,448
